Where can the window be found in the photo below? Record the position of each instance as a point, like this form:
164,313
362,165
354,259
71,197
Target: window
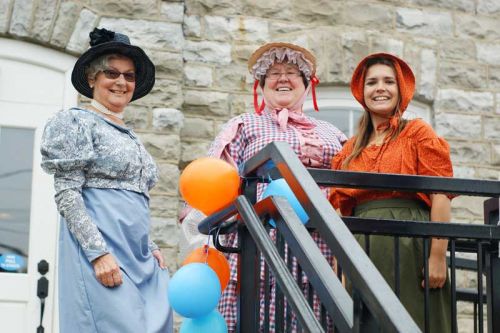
16,169
338,106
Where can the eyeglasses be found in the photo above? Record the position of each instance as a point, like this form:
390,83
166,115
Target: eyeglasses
273,76
113,74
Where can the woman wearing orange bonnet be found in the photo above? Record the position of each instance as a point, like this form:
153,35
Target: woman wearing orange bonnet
386,143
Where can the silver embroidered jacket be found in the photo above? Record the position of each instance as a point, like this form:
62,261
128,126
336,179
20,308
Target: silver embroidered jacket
84,149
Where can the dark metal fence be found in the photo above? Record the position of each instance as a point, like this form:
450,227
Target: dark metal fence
292,253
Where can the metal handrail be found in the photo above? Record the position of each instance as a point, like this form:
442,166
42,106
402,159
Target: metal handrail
373,289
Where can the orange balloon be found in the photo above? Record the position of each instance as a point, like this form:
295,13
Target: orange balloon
209,184
214,259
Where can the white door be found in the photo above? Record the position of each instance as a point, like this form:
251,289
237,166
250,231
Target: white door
34,84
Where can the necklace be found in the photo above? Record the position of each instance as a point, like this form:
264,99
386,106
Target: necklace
101,108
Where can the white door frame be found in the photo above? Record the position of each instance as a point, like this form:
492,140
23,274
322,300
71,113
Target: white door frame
44,217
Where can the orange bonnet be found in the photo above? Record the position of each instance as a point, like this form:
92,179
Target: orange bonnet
404,75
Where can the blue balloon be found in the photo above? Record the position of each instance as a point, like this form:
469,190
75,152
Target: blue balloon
211,323
194,290
281,188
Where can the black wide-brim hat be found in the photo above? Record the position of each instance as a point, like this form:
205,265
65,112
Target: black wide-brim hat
102,42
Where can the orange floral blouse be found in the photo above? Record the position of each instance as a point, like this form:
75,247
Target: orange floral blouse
416,151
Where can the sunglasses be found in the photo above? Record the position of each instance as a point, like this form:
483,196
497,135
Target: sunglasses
113,74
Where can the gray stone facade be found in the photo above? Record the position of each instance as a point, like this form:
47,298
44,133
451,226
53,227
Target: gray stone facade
200,48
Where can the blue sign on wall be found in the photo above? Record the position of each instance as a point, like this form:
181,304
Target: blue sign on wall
12,262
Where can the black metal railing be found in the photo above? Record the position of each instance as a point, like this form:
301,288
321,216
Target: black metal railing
371,305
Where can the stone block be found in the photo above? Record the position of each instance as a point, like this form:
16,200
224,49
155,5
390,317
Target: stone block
172,11
206,102
494,77
207,51
162,147
242,51
193,150
424,22
469,152
488,7
198,128
197,75
458,126
5,13
192,26
120,8
489,53
213,7
277,9
253,29
165,93
169,179
458,49
465,323
332,58
148,34
463,172
413,56
164,206
461,5
165,232
44,15
79,40
497,97
491,173
355,47
427,78
467,207
426,42
279,28
167,64
495,155
137,117
492,128
65,22
477,27
463,76
231,77
172,261
219,28
20,23
167,120
321,12
386,44
240,104
450,100
368,15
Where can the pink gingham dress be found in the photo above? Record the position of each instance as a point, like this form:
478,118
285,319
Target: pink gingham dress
314,141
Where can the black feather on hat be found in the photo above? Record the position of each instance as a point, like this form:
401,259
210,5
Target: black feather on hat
102,42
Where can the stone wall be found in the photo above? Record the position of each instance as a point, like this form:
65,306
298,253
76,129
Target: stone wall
200,48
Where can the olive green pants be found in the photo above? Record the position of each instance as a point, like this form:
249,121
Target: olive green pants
411,261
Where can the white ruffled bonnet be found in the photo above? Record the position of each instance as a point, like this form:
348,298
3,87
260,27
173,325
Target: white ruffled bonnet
265,56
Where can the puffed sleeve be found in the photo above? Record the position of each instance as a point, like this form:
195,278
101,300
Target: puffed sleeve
67,151
229,143
340,197
433,152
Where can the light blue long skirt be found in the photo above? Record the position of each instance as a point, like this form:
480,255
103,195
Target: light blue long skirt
140,304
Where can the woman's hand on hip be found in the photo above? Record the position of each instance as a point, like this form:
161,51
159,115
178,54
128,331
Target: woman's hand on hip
157,254
437,271
107,271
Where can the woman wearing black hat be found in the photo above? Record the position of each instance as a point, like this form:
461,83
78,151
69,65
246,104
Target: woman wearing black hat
111,275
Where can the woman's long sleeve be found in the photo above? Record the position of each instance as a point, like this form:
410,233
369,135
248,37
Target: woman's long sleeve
67,150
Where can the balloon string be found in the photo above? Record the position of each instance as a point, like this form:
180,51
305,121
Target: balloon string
205,250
